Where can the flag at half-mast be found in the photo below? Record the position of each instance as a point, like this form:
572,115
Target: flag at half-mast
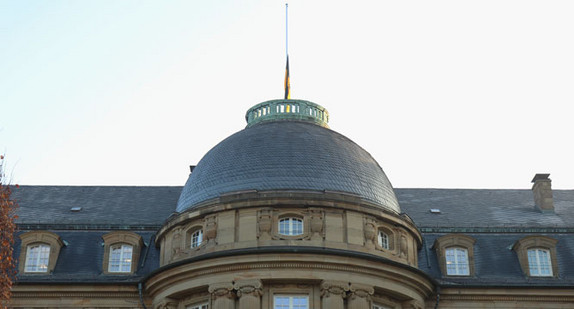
287,84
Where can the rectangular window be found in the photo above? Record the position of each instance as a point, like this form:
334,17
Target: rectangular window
457,262
37,258
291,226
383,240
120,259
291,302
539,263
196,238
376,306
198,306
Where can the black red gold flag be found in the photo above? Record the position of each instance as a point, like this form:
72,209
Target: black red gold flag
287,82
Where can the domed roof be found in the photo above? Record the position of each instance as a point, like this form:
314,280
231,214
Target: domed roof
287,153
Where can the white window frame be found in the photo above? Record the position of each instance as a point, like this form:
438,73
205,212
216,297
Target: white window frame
37,262
196,238
291,226
539,262
383,239
123,262
291,301
454,266
378,306
198,306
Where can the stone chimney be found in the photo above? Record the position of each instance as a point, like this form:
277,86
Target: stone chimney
542,189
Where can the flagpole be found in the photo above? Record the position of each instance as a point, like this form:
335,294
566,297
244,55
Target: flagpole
287,81
287,29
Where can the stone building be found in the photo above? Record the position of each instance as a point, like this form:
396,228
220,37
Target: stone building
288,213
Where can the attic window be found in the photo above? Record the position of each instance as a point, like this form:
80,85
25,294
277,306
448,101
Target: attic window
75,209
435,211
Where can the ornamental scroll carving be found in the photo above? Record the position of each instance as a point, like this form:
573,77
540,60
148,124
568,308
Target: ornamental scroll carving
413,304
334,288
221,290
167,303
360,291
252,288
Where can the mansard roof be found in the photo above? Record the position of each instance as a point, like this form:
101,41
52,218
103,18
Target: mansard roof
496,219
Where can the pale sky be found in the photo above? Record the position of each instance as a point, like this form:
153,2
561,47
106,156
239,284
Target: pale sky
443,94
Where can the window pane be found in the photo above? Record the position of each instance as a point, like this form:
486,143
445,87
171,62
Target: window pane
383,240
539,262
196,238
120,259
290,302
291,226
37,258
457,262
198,306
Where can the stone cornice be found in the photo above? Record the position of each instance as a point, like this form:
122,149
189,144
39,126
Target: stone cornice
305,259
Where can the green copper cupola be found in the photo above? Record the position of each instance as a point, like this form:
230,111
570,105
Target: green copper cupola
290,110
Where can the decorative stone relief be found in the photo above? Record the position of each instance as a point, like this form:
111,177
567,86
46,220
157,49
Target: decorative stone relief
221,290
413,304
403,245
176,242
249,288
249,293
264,223
370,232
333,293
334,288
361,291
317,224
166,303
210,232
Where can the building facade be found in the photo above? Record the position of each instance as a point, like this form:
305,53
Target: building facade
288,213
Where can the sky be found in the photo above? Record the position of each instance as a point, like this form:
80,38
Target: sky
443,94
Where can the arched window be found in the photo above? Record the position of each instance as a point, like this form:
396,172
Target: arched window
196,238
383,240
456,261
537,256
39,252
291,226
120,258
539,262
37,258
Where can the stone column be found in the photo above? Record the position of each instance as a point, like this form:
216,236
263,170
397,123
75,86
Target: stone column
333,293
249,293
359,296
222,295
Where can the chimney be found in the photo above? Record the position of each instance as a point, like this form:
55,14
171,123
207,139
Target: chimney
542,189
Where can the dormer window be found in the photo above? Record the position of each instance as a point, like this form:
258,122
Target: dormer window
456,254
37,258
196,238
457,262
121,253
39,252
537,256
120,258
539,262
291,226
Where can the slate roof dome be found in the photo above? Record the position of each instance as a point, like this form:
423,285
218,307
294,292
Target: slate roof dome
287,145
